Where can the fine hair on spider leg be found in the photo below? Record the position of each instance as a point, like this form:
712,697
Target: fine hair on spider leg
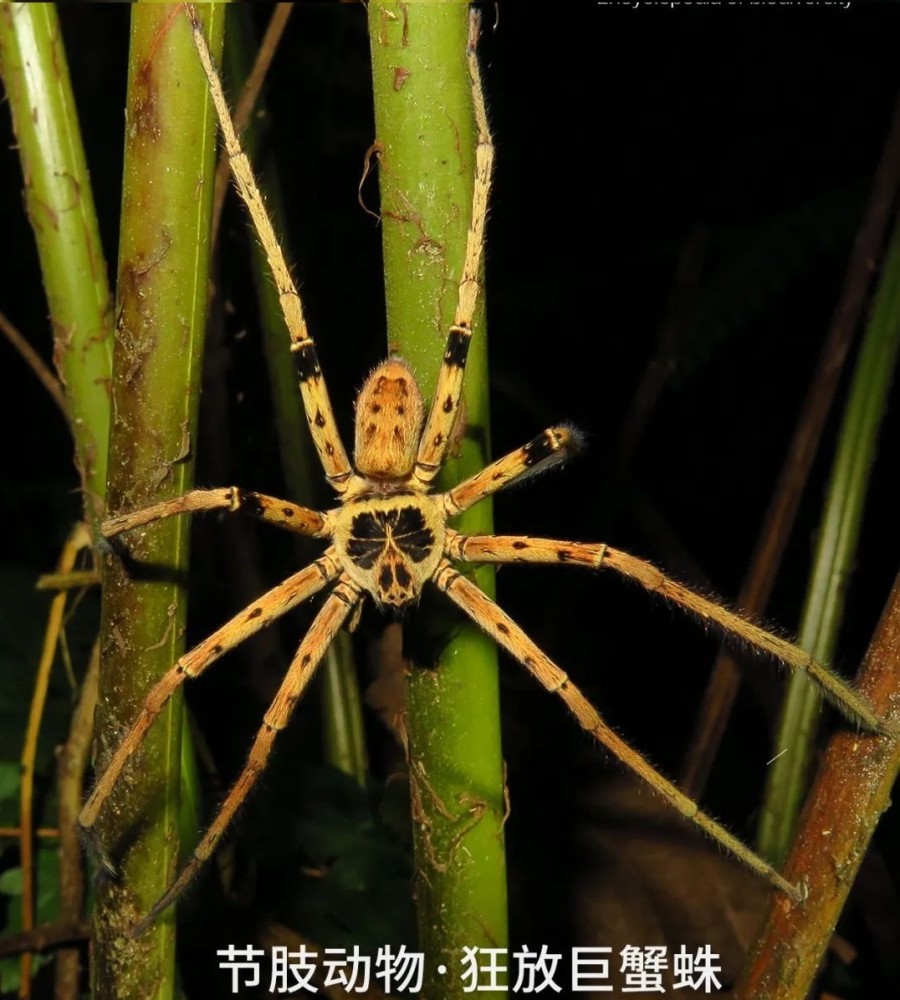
389,536
736,627
549,449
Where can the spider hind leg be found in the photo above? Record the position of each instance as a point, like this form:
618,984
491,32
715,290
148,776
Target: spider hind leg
506,633
338,607
275,603
734,626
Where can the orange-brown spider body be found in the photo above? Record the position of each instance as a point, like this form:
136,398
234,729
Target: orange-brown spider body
389,414
389,534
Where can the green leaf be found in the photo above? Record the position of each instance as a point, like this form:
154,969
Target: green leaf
11,882
9,780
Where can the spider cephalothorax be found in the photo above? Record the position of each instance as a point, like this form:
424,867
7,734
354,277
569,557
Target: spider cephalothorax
390,537
390,545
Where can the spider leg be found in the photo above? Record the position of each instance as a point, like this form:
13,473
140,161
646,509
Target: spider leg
510,549
445,404
506,633
281,513
552,446
333,613
278,601
316,402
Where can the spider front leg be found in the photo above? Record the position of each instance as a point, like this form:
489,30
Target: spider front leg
506,633
444,411
270,510
549,448
273,604
316,402
511,549
332,615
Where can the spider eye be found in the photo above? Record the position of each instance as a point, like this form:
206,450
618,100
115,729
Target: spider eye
389,413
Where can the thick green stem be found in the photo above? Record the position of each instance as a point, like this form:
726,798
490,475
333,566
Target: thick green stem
835,555
162,291
426,139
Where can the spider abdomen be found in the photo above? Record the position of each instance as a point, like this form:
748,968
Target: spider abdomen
389,415
390,545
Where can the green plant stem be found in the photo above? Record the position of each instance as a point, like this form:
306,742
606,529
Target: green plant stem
425,130
835,555
60,207
162,292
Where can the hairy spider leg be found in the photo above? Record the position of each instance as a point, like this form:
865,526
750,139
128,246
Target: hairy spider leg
437,433
316,403
512,549
549,448
273,604
506,633
332,615
271,510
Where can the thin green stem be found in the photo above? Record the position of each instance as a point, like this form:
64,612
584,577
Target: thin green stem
835,555
162,292
426,141
60,207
